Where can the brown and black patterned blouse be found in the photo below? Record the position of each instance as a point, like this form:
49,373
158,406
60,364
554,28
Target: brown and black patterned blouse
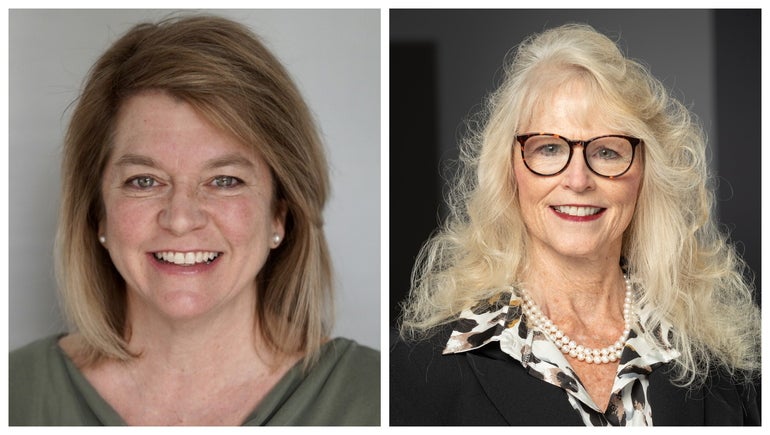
500,319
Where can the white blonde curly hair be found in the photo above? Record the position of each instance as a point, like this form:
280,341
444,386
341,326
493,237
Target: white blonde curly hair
684,266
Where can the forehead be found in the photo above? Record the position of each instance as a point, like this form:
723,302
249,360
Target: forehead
573,105
159,125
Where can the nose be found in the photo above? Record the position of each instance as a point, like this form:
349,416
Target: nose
578,176
183,211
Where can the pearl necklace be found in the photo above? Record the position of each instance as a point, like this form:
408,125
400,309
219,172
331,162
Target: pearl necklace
568,346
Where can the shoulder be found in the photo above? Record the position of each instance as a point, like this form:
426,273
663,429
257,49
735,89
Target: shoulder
37,379
28,363
720,400
415,354
730,400
343,387
479,387
426,387
346,351
350,361
423,360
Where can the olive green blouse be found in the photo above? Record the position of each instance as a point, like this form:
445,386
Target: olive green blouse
343,388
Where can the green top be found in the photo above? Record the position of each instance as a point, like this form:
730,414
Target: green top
343,388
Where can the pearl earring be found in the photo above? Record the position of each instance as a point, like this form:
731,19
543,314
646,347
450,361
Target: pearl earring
102,239
276,239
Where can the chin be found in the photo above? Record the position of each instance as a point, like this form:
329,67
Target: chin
184,305
580,250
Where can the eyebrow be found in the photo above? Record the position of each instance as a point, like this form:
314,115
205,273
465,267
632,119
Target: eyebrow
233,159
135,160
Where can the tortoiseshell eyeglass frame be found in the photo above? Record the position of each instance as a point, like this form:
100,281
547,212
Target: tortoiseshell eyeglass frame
522,139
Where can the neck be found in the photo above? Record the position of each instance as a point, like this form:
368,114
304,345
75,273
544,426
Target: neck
581,290
222,339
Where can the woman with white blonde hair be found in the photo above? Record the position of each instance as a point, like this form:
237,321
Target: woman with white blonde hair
580,278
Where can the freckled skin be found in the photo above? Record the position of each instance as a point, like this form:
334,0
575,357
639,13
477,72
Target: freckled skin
567,114
586,307
168,186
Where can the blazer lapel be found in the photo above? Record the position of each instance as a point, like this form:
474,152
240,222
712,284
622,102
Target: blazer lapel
521,399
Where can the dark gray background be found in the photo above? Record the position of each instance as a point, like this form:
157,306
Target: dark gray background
444,62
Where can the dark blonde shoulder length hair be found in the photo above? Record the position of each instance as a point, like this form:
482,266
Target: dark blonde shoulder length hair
226,74
684,267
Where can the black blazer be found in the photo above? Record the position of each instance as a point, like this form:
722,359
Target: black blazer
484,387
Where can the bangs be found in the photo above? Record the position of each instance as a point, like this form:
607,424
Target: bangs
596,107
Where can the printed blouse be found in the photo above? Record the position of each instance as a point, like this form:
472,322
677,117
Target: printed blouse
501,319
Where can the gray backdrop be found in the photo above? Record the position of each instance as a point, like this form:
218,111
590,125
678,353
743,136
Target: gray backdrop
333,55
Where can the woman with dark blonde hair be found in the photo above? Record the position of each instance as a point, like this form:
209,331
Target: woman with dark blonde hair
581,278
191,254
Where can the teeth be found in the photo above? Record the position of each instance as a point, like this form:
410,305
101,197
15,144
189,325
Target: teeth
577,211
186,259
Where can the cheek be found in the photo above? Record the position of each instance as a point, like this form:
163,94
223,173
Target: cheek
127,218
631,189
627,197
523,177
528,190
242,219
632,200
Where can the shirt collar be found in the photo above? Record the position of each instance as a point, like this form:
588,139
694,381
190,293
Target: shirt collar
486,321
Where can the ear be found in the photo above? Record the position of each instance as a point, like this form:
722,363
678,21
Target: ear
100,230
279,218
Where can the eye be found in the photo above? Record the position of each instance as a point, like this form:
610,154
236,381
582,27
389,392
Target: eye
142,182
550,149
606,153
226,182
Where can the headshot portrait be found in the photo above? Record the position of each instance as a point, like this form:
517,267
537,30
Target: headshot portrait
583,203
200,242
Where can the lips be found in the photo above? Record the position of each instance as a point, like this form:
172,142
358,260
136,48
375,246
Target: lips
186,258
577,211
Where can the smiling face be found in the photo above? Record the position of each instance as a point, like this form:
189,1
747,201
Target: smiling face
575,213
189,211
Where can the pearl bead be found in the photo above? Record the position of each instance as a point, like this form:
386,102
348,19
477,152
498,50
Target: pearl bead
570,347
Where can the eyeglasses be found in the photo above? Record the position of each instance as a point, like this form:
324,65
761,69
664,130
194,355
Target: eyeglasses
549,154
